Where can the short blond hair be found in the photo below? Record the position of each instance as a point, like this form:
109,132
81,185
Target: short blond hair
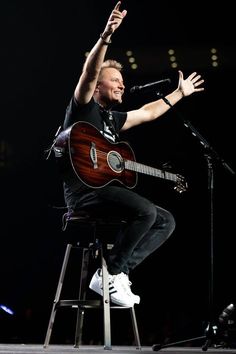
110,63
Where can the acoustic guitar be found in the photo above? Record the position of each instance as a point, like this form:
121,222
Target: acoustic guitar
98,162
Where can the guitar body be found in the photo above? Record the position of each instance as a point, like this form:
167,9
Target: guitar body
97,161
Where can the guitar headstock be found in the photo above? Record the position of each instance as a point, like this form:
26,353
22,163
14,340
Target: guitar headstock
181,184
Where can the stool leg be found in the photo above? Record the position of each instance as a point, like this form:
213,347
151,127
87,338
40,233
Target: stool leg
57,296
82,296
106,305
135,328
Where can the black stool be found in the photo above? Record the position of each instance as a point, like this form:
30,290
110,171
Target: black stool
92,246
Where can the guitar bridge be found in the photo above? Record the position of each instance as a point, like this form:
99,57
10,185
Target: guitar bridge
93,155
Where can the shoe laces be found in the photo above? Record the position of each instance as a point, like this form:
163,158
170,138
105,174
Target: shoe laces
118,281
125,277
125,282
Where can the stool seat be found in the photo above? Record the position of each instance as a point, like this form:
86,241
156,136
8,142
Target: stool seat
84,217
92,246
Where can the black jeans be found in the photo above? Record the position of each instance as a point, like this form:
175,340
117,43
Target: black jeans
147,225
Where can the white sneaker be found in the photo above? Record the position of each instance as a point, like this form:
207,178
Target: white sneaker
118,290
125,279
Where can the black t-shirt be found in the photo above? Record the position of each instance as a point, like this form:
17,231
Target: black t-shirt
93,113
109,123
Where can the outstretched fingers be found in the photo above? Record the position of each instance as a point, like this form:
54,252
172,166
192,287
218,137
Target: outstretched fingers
196,81
117,11
117,7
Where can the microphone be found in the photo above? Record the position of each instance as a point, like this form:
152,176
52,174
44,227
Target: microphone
150,86
224,316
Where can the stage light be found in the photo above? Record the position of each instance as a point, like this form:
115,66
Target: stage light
6,309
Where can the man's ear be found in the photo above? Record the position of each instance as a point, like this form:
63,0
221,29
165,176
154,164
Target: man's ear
97,88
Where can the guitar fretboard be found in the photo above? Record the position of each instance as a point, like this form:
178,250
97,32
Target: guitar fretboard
151,171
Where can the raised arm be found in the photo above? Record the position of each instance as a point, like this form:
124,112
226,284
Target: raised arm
92,66
155,109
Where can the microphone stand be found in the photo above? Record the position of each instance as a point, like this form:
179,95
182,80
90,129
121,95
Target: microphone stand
210,155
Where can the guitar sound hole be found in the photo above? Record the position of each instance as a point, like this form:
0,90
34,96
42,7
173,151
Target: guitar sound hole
115,161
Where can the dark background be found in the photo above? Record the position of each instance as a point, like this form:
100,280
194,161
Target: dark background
43,47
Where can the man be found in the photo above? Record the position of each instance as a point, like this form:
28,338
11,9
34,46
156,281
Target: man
99,89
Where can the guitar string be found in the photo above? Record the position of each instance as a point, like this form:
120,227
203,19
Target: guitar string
142,168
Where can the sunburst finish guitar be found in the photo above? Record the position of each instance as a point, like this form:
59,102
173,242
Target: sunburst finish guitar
98,162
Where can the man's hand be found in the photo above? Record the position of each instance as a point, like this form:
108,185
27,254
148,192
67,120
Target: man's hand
191,84
114,20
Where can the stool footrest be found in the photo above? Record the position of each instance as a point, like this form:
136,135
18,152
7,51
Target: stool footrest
87,304
80,303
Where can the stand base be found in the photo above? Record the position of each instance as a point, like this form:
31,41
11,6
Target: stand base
211,338
157,347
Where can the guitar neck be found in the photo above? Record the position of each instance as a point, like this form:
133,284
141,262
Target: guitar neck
151,171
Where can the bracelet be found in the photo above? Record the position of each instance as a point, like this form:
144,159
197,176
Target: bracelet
104,41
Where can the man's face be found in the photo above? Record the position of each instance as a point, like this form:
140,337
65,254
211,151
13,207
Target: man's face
110,86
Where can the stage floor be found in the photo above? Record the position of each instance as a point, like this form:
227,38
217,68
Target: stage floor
67,349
